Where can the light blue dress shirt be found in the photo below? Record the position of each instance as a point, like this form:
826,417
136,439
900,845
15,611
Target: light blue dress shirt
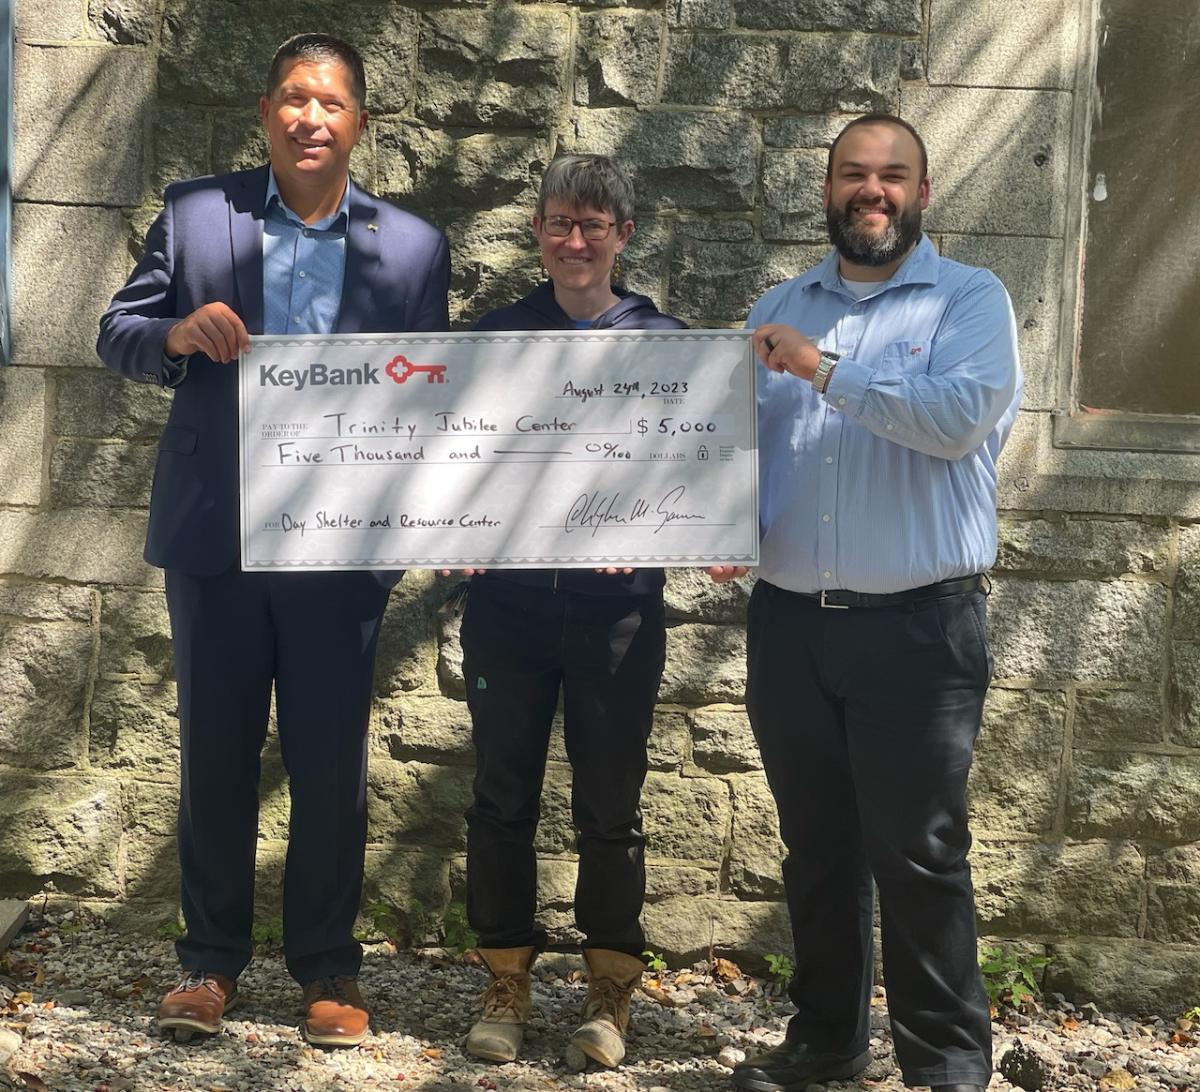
304,266
887,481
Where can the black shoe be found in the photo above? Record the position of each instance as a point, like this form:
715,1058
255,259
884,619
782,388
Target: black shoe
956,1088
792,1067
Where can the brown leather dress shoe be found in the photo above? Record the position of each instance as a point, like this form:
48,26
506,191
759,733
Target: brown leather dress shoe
197,1004
334,1012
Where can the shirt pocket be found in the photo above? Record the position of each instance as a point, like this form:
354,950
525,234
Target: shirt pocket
905,357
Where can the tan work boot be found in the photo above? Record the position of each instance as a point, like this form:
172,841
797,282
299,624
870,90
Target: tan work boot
612,977
497,1035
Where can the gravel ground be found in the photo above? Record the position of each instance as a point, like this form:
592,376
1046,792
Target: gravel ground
77,1007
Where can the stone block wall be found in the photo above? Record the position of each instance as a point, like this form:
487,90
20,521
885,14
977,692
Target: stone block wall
1086,791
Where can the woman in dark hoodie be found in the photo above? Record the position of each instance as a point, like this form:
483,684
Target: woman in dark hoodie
599,637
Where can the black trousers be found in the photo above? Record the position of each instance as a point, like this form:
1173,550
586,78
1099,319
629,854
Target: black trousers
521,645
866,719
312,636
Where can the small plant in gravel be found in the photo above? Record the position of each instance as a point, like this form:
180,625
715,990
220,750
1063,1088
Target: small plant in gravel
171,929
419,924
267,934
416,926
1192,1014
383,920
780,968
654,961
457,934
1009,977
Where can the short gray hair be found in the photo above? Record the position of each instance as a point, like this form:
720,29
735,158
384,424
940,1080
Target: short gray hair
592,180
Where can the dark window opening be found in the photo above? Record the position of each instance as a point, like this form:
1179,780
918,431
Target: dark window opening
1139,340
6,98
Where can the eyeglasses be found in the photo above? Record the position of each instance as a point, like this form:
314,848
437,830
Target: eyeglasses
562,226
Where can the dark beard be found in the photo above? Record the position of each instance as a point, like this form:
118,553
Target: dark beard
867,248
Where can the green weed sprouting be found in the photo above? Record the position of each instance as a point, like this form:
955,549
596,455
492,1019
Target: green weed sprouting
1009,977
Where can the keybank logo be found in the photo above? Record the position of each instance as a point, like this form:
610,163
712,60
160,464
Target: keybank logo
316,375
399,369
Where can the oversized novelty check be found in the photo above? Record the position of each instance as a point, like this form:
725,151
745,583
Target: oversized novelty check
558,449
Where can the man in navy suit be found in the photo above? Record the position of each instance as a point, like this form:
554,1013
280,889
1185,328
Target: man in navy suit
293,247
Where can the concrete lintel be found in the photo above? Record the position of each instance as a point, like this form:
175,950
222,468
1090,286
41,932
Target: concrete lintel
13,913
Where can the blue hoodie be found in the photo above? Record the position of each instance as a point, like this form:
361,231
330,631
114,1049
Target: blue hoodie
540,311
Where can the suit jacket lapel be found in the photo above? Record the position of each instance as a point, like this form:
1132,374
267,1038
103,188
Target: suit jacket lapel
247,197
356,314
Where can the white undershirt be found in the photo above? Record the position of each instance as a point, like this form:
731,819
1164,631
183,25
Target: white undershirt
858,289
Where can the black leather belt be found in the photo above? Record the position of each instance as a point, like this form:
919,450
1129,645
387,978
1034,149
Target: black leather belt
844,600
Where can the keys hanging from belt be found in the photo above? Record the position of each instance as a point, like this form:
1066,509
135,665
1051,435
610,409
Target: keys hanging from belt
455,600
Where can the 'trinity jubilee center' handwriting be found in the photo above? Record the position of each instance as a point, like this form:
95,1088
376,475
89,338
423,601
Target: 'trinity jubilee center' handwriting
444,422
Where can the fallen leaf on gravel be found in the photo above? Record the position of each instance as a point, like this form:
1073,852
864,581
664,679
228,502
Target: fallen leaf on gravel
1117,1079
432,1052
705,1031
683,978
1070,1024
727,969
661,996
23,969
32,1080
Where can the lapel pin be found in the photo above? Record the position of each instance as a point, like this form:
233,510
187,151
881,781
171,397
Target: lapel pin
372,227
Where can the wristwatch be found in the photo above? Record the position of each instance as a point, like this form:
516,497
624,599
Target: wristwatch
820,378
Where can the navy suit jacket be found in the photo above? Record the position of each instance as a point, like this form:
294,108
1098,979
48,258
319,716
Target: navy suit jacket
205,246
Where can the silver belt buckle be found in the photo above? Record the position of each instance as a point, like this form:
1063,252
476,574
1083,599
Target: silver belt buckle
831,606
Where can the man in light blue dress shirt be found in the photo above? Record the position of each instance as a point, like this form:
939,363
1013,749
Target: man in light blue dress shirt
889,384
